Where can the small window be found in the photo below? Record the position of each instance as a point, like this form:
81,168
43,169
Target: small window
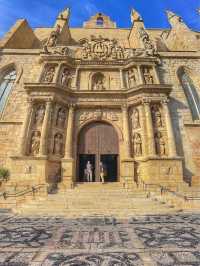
100,21
6,84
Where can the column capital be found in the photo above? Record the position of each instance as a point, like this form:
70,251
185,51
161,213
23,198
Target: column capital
124,107
165,101
71,106
146,101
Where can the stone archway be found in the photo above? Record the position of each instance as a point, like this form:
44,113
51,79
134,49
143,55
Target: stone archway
98,142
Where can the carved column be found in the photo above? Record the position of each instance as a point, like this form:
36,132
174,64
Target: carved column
140,75
76,78
26,128
143,133
171,139
149,128
45,129
70,128
126,131
121,79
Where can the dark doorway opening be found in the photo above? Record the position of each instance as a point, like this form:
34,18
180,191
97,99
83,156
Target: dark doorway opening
111,167
83,159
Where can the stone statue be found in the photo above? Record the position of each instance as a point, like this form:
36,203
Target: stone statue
157,116
61,117
53,38
66,78
137,144
48,78
148,44
39,115
148,78
58,144
160,144
132,79
98,82
35,143
135,119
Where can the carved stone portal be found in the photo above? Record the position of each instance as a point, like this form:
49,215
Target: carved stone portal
35,143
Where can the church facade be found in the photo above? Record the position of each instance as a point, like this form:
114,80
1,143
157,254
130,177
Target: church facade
125,98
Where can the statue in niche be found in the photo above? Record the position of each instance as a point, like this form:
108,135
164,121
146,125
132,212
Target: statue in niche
49,75
137,144
148,78
135,119
39,115
61,117
98,81
160,144
66,78
53,38
58,144
157,117
132,79
35,143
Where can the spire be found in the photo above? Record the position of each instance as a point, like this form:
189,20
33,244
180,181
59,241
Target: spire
175,20
135,16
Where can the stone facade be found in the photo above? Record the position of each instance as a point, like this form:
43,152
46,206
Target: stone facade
68,78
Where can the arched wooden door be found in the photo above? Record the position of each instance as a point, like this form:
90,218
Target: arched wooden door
98,142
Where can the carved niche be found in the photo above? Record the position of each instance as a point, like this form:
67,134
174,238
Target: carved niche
147,75
66,77
61,117
132,75
160,144
135,118
39,115
49,74
137,144
156,116
98,81
58,144
35,143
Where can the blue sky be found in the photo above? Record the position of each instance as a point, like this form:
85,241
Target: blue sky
43,12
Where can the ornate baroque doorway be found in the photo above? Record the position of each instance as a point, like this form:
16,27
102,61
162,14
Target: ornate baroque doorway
98,142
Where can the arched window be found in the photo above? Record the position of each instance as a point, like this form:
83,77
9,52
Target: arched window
6,84
190,93
100,21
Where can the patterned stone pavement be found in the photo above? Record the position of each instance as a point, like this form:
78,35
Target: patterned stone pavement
167,240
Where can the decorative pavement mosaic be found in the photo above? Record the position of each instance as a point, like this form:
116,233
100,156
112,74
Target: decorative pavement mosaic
166,240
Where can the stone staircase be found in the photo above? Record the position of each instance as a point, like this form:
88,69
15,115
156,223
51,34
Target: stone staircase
95,199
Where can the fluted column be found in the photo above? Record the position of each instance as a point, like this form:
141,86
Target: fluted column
140,75
170,133
149,128
45,128
143,133
26,128
126,131
69,136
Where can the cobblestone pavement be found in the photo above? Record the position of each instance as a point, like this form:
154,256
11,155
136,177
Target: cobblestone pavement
167,240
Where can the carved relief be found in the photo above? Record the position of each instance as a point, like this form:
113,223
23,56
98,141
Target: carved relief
35,143
135,119
49,75
148,77
132,77
137,144
98,114
156,116
160,144
53,38
61,117
98,81
39,115
66,78
148,44
58,144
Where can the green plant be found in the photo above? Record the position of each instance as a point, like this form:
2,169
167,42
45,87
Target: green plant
4,174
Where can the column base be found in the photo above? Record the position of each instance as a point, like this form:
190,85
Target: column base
127,172
67,173
163,171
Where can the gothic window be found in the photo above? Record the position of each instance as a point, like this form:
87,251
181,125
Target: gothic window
100,21
6,85
190,93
